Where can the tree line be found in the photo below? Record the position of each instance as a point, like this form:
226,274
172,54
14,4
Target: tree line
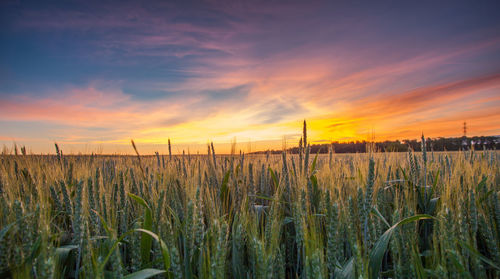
433,144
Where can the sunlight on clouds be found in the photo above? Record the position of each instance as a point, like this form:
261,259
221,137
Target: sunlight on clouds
250,74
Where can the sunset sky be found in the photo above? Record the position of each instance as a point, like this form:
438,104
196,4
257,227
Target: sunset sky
93,75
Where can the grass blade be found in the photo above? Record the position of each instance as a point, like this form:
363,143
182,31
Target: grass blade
145,273
164,249
378,250
146,240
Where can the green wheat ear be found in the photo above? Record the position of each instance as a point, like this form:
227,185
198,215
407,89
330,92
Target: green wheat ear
275,215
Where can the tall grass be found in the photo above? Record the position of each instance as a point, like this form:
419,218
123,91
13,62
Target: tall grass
376,215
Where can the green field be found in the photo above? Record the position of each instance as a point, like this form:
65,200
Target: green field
375,215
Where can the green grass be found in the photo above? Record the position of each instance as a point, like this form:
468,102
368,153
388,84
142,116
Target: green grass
377,215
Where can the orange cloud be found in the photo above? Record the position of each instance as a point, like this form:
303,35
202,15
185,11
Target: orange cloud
437,110
263,100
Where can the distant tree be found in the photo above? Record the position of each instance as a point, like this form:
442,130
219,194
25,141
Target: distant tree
435,144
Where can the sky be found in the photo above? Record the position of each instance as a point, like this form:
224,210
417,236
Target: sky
92,75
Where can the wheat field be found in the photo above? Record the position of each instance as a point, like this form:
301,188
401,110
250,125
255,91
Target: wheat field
374,215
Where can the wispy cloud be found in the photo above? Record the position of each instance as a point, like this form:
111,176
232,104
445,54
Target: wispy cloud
201,70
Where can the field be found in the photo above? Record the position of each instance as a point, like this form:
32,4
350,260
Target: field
374,215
